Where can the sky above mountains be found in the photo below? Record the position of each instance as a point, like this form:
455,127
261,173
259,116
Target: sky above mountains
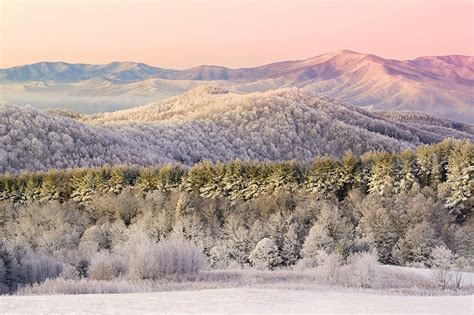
235,33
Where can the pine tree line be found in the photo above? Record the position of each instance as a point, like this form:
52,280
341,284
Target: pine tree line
447,166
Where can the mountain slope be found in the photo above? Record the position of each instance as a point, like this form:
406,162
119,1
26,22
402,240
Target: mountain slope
426,120
35,140
440,85
208,101
119,72
205,123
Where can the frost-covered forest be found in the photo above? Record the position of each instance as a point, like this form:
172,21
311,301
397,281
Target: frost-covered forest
208,123
85,229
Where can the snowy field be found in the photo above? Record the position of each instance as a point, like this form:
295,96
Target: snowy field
252,291
239,300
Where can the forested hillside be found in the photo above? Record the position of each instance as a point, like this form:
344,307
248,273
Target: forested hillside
87,222
35,140
425,119
206,123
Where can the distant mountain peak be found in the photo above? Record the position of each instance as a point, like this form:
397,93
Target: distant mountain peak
437,84
347,52
453,60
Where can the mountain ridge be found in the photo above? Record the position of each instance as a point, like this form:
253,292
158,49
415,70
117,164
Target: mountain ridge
167,73
207,123
442,85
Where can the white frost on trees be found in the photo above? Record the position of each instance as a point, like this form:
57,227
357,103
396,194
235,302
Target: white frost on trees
265,255
276,125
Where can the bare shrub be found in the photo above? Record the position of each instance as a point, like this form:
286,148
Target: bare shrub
203,280
176,256
363,267
35,268
140,254
146,259
234,265
83,286
20,265
460,265
442,259
303,264
395,277
330,265
106,266
390,279
70,272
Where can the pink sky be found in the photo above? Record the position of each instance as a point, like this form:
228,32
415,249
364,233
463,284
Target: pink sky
182,34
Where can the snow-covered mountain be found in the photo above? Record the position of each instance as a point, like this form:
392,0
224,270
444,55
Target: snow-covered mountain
66,72
440,85
207,123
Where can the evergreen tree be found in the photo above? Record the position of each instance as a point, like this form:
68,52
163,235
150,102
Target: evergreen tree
277,229
378,226
257,232
382,179
213,187
197,176
416,245
239,242
233,180
318,240
176,176
432,162
460,180
256,181
50,187
101,179
82,268
330,232
407,171
84,184
146,181
324,177
169,177
5,186
350,174
265,255
278,180
117,181
291,246
367,162
33,187
21,182
10,189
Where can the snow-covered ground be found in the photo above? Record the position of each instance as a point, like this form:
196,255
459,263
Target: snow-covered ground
239,300
467,277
